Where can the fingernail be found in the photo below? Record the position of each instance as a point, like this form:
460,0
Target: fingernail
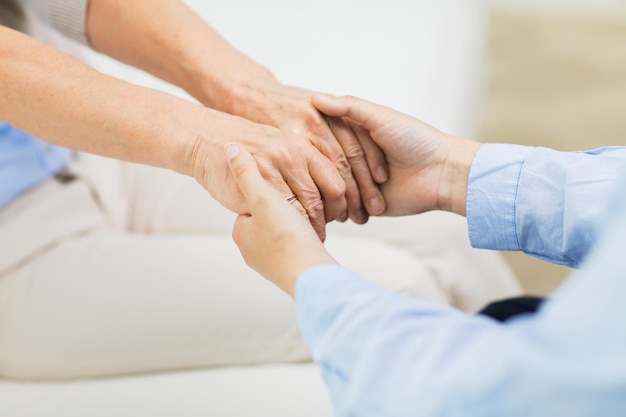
232,151
376,205
381,174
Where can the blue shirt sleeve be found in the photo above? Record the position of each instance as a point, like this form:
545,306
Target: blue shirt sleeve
384,354
540,201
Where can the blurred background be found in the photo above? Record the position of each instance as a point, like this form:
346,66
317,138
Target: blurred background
556,78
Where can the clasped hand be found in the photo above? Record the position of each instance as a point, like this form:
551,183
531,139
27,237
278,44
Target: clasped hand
428,170
298,150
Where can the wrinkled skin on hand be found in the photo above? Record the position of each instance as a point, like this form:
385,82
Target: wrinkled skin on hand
288,162
274,239
290,110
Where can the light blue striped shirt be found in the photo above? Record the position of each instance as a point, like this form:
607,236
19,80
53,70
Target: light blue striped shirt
25,162
385,355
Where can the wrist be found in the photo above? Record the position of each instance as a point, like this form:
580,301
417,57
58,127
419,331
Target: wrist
455,172
171,138
295,269
230,87
197,134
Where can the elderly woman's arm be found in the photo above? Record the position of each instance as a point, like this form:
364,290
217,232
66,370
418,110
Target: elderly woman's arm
167,39
63,101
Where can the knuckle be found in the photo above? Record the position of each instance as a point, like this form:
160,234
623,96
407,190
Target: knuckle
335,182
306,151
268,171
312,116
303,144
331,150
285,154
338,188
349,98
335,190
315,208
296,143
280,150
355,154
343,167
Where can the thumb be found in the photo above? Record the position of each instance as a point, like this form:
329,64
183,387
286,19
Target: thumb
246,173
330,105
361,111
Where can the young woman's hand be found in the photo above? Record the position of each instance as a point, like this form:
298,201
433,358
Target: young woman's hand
428,169
274,238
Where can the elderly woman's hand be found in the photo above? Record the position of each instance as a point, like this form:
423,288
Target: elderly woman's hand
290,163
274,238
265,100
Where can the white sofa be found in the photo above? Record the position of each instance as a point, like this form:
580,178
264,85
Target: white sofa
424,57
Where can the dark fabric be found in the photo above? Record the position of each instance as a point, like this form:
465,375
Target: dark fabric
504,310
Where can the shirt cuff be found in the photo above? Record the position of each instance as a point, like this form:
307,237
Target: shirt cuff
491,195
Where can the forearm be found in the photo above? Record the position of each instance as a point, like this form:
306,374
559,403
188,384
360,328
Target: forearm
61,100
385,354
167,39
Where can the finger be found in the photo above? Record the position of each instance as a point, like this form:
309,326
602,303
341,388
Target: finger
314,184
336,207
375,160
375,156
248,177
251,183
353,206
298,205
361,111
338,177
369,200
311,200
330,183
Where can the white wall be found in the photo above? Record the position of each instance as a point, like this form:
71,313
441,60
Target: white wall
564,8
